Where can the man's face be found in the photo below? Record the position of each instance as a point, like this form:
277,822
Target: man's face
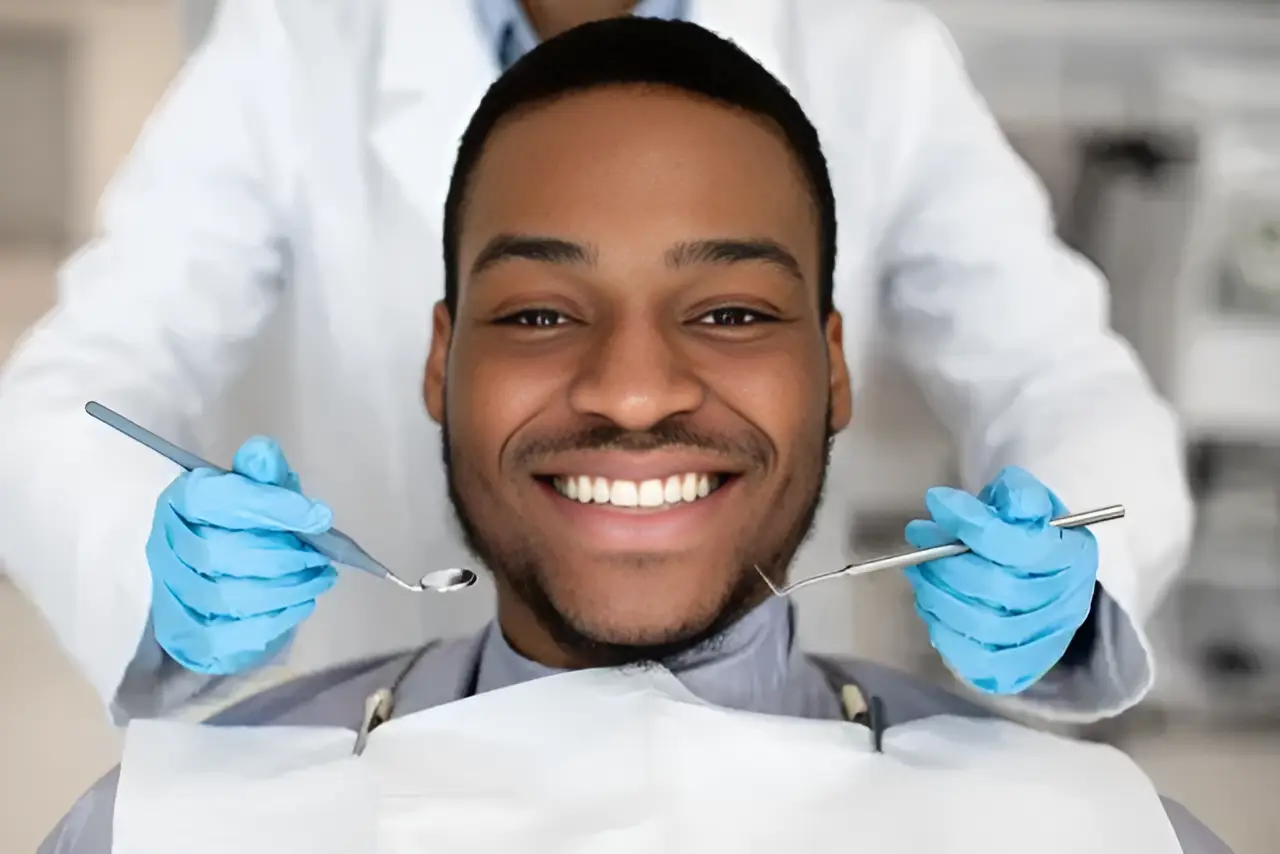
636,389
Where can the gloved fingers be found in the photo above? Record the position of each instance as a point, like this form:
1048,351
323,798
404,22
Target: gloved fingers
212,598
219,553
234,502
925,534
997,671
261,459
241,662
253,633
232,663
977,580
240,599
992,626
1031,547
979,583
1018,496
221,647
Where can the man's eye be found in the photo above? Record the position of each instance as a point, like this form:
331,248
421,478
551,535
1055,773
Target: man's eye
539,318
733,316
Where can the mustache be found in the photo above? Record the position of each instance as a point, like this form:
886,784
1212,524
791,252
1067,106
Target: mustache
668,433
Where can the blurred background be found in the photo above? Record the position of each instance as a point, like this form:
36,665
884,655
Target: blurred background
1155,127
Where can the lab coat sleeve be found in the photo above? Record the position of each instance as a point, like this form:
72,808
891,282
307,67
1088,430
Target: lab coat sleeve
1007,332
153,319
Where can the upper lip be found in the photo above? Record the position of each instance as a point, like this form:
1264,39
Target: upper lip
629,465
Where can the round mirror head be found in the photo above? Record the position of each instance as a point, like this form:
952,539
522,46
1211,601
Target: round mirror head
447,580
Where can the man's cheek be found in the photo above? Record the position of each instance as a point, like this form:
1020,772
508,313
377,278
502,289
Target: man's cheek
507,391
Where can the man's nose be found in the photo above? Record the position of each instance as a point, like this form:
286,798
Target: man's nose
635,376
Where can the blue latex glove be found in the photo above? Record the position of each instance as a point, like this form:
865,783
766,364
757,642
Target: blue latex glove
230,581
1002,615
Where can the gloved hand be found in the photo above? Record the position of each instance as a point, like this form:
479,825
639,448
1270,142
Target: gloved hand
1002,615
230,581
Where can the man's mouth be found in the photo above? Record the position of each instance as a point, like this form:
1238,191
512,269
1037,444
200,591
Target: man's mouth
632,503
648,494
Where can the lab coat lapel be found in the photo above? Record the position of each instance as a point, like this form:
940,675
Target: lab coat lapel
333,52
435,68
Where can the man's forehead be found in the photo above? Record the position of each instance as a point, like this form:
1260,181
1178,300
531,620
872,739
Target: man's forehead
635,177
647,128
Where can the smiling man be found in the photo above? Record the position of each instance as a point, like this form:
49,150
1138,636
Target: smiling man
637,369
637,365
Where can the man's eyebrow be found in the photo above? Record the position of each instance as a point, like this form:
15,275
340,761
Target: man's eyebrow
735,251
550,250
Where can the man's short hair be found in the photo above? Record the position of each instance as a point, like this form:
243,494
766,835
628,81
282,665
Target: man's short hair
652,52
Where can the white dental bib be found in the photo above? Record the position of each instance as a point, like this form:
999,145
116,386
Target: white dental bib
625,762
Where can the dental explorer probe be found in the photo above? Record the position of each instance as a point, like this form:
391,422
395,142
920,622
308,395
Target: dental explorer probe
333,544
906,559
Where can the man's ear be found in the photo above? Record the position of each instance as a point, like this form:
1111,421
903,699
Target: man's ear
838,370
437,362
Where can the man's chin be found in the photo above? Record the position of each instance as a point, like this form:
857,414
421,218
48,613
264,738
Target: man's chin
607,630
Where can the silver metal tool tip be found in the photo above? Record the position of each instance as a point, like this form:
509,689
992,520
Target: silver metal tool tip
772,586
448,580
440,581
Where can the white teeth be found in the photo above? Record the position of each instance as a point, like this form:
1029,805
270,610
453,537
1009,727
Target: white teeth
689,487
649,494
623,493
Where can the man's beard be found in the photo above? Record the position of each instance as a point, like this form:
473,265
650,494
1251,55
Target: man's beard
521,571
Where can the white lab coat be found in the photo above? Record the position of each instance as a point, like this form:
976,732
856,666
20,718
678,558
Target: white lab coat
269,255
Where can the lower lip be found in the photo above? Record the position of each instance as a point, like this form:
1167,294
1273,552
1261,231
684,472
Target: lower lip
627,529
